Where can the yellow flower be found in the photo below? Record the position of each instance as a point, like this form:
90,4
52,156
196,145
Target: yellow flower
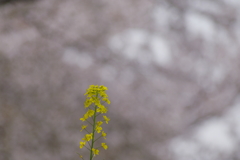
85,117
102,109
94,90
98,129
96,96
88,102
82,144
95,151
99,123
83,127
104,134
104,88
90,113
106,119
97,102
104,146
87,137
106,100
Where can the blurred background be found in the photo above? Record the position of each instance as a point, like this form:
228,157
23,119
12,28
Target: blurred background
171,66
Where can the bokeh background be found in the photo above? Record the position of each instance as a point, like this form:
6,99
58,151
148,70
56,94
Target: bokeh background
171,66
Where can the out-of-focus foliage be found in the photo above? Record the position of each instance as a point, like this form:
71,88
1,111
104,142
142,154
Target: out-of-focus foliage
3,2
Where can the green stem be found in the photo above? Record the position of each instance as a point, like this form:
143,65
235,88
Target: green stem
97,138
89,122
93,131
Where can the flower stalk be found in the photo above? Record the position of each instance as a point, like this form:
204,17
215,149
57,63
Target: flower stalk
95,98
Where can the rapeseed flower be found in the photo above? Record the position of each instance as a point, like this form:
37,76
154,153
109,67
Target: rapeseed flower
95,151
83,127
88,137
96,96
106,119
104,146
82,144
104,134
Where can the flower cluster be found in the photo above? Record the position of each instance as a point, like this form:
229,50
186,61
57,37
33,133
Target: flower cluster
95,98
